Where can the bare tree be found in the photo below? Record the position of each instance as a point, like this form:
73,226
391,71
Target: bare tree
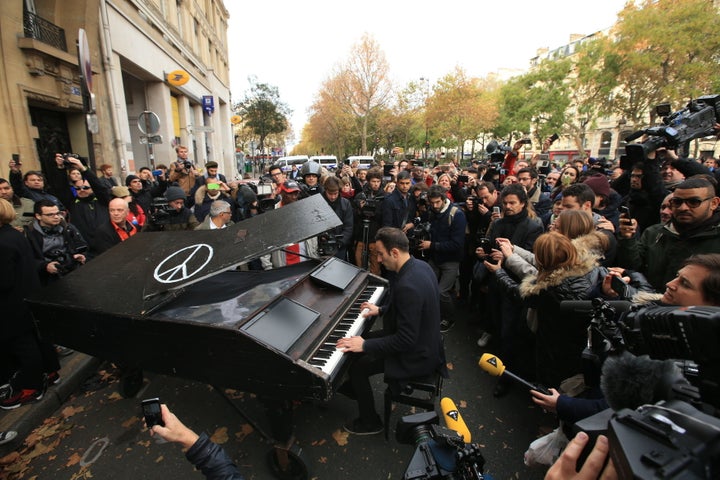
363,85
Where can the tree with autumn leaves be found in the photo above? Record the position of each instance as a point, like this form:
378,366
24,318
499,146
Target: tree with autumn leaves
658,51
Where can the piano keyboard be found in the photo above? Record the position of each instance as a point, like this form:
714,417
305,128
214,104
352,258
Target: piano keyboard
327,357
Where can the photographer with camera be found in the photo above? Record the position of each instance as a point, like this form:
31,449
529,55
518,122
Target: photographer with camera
183,174
445,249
368,219
342,234
33,184
172,214
57,246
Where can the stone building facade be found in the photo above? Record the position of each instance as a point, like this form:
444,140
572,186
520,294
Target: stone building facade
133,46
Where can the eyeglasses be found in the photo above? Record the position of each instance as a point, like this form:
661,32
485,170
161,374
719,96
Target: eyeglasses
664,206
636,175
84,187
694,202
54,214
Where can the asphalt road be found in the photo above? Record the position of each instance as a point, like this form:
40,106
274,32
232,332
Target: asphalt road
97,433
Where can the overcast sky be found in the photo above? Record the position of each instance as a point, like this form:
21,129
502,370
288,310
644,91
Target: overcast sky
294,45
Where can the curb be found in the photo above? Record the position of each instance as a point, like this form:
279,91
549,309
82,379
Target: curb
74,370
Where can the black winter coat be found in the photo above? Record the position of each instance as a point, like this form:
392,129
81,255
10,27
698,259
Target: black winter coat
560,337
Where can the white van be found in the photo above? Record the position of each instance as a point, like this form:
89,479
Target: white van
364,161
330,162
286,163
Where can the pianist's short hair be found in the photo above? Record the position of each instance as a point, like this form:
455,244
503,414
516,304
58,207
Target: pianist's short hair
392,237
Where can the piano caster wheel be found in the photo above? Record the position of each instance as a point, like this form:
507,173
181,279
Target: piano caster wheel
131,382
286,464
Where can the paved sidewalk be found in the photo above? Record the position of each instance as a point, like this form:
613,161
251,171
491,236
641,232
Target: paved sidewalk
74,370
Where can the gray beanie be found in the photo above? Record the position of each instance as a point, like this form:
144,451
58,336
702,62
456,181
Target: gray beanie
174,193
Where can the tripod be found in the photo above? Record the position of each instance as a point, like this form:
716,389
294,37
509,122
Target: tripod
365,240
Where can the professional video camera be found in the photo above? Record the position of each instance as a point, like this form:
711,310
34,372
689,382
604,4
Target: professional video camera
497,150
676,435
328,244
696,120
65,259
368,205
161,211
440,453
416,235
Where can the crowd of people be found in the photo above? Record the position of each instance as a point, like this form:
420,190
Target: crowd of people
507,239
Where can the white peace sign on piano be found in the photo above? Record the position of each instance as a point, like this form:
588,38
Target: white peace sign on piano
183,264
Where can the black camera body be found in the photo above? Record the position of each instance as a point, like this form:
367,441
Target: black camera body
418,234
678,437
328,244
65,259
161,211
440,453
369,209
696,120
67,156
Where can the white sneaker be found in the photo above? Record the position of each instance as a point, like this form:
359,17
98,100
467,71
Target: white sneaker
484,339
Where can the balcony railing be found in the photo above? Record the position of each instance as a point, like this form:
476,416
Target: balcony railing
40,29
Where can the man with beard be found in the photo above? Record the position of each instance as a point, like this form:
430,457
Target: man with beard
445,249
507,315
693,228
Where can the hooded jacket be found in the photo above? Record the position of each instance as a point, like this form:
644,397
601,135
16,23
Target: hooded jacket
560,338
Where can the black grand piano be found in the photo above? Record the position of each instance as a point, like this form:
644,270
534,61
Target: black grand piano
174,303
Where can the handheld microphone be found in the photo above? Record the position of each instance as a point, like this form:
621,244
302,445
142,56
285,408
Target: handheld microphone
453,419
495,367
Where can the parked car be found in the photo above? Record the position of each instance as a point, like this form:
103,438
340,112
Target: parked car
330,162
364,161
286,163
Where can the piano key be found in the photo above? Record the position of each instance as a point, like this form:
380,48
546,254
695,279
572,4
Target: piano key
355,325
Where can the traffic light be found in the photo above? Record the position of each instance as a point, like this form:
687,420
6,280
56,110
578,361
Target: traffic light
427,144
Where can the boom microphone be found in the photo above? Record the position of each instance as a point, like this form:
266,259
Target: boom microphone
495,367
453,419
628,381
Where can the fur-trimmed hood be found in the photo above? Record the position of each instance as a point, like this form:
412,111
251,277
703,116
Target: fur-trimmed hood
643,298
589,255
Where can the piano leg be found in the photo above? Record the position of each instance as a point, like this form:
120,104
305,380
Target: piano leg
284,459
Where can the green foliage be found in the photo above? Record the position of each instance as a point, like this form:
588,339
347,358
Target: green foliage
263,112
537,100
664,50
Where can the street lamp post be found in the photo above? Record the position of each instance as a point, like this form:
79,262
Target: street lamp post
427,95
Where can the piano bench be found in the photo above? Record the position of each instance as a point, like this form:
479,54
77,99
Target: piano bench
420,392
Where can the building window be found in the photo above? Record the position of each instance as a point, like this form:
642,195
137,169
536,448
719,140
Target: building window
605,142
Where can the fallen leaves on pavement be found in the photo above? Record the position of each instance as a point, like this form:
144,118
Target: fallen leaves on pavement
220,436
340,437
245,430
42,440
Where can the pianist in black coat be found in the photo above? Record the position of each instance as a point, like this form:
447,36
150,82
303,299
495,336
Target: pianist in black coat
410,344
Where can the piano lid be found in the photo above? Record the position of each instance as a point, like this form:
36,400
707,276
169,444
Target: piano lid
148,268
